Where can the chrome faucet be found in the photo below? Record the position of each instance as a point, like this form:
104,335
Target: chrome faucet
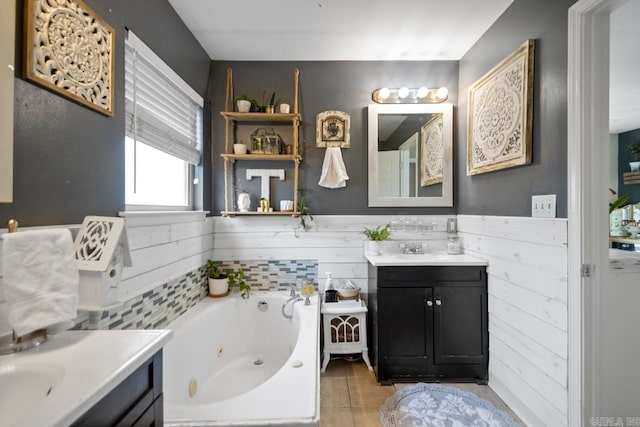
411,248
292,293
295,299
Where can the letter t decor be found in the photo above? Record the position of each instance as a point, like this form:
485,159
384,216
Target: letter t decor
265,175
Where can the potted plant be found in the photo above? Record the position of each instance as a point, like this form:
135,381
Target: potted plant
377,235
218,281
268,108
634,148
237,278
243,103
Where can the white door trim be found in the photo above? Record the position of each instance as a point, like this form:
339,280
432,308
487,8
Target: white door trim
588,134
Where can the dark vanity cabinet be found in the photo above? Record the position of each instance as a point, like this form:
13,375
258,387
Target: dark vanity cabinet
429,323
136,401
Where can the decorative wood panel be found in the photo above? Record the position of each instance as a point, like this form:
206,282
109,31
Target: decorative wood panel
69,49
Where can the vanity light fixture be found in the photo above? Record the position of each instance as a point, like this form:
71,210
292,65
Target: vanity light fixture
404,95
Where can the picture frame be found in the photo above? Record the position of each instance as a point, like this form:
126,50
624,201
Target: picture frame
69,49
333,129
431,151
499,114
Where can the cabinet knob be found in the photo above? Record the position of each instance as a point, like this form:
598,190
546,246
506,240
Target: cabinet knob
430,303
438,302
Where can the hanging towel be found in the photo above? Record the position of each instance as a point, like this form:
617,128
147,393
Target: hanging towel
40,279
334,173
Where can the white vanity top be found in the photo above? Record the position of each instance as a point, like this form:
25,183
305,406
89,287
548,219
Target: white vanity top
436,258
83,366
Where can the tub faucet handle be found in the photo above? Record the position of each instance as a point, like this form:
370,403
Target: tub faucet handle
307,301
292,293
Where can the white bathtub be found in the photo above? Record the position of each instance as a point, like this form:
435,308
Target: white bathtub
245,364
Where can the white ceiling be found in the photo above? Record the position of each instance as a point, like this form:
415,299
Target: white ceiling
624,86
357,30
330,30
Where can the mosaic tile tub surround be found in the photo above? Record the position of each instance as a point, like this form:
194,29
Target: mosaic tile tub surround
156,308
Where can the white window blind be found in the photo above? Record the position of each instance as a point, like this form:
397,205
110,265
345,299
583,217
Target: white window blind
161,109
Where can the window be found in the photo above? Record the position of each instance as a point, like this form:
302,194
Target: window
163,132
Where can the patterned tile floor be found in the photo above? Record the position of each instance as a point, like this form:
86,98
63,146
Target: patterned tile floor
351,397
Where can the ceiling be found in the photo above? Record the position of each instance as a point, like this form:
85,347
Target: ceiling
334,30
362,30
624,86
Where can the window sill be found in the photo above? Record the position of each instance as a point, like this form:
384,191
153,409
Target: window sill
142,218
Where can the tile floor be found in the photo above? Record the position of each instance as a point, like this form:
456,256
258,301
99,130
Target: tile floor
351,397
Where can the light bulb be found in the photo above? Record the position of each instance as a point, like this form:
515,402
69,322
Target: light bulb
403,92
384,93
422,92
442,93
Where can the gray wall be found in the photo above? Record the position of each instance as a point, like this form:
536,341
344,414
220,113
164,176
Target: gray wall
345,86
624,157
68,159
509,191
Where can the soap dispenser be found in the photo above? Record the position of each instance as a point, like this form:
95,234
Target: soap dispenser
330,292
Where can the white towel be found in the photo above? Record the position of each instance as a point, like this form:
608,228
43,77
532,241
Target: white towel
334,173
40,278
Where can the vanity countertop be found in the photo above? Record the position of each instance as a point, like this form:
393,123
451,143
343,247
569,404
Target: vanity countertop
85,365
437,258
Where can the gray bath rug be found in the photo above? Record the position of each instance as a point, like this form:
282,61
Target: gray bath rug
435,405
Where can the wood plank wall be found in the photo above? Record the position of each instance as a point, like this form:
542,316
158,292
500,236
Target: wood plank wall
527,311
335,241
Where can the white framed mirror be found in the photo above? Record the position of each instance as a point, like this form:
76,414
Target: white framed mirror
410,150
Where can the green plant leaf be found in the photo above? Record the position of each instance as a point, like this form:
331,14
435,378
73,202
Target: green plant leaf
620,201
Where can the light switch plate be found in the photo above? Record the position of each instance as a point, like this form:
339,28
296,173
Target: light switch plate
543,206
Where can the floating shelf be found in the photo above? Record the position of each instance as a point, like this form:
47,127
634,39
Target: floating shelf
289,157
260,117
631,178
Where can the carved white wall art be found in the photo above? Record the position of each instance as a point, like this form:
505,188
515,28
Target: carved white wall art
431,151
499,114
70,50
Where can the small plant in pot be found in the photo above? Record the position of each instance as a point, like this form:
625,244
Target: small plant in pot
634,149
243,103
218,281
377,235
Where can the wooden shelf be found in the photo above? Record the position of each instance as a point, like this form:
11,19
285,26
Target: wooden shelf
261,117
631,178
235,119
275,213
281,157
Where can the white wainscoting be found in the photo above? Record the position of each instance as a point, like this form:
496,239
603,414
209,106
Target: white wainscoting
335,241
163,248
527,277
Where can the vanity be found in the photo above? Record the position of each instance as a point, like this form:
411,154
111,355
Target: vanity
85,378
428,318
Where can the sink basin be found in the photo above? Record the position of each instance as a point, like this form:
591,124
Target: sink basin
23,386
429,258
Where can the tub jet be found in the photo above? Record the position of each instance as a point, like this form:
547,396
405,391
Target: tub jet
258,362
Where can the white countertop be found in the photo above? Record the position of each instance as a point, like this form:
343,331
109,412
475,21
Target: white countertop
434,259
92,363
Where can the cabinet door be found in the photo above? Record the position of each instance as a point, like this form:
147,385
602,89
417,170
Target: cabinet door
460,325
404,338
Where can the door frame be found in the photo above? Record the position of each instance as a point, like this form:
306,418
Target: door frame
587,137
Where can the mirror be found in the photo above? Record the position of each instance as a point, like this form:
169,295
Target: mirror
410,155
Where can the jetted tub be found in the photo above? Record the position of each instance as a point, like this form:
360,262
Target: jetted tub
233,362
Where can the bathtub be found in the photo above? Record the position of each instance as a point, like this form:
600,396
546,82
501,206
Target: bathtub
231,362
